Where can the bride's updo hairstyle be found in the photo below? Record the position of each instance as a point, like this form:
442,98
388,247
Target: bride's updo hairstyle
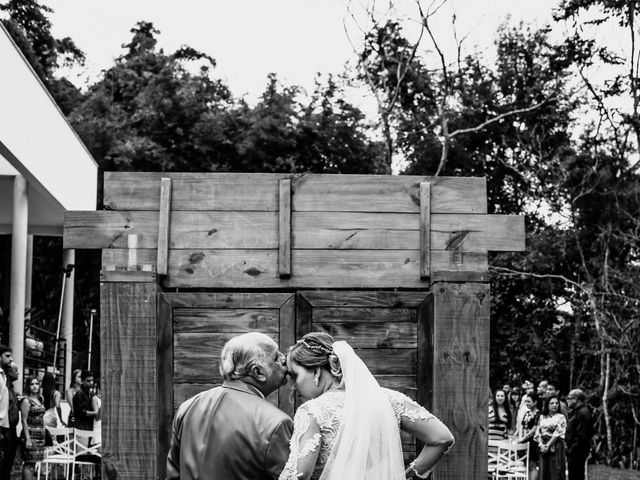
315,350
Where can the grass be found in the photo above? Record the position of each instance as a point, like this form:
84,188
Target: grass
602,472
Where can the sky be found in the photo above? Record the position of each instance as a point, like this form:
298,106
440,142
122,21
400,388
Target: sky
296,39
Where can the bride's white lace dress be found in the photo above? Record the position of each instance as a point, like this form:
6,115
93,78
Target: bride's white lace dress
327,411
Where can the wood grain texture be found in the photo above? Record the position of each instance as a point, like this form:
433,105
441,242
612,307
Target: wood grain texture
371,335
128,276
287,337
236,321
284,228
164,368
309,230
367,299
128,364
363,315
227,300
233,191
461,374
164,224
314,268
425,230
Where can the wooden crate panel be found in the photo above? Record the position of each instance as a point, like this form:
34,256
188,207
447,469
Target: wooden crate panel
324,298
363,315
393,361
184,391
374,335
402,383
310,268
311,192
227,300
233,321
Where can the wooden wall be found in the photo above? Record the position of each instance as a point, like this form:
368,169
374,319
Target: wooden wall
346,231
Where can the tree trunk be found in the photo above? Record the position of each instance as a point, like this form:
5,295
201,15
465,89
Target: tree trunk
606,360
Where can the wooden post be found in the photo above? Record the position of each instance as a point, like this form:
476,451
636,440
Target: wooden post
128,365
460,330
68,258
163,226
18,273
284,228
425,230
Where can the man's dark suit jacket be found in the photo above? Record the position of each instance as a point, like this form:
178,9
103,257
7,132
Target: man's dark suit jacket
579,431
229,433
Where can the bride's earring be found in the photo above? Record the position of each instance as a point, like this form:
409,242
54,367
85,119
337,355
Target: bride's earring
316,379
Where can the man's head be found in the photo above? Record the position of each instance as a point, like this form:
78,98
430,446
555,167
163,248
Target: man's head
87,379
528,388
506,388
576,398
542,388
6,357
254,358
551,391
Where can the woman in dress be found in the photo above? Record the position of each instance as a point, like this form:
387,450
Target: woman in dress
499,416
529,427
550,437
350,427
76,383
33,432
52,398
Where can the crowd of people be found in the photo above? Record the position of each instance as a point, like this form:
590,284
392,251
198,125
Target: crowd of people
558,433
38,408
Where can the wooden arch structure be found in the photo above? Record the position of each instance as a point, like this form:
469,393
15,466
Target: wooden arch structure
396,265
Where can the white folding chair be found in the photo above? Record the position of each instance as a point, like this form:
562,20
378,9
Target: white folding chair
60,453
87,450
492,450
513,461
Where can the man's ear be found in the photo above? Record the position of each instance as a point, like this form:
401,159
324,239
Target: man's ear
258,373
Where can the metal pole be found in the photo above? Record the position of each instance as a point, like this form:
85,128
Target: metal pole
93,312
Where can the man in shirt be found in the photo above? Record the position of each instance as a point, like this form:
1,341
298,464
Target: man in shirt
232,432
578,434
6,357
14,417
82,409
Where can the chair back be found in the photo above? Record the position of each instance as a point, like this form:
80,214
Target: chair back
87,444
513,461
63,443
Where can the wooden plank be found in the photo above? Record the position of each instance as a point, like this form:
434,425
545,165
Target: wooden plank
130,276
164,369
314,268
402,383
313,192
424,348
332,298
460,319
364,315
425,230
184,391
227,300
371,193
128,364
287,338
132,252
392,361
237,321
164,226
284,228
197,356
460,277
310,230
371,335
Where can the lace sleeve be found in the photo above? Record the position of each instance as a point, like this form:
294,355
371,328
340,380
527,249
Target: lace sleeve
407,409
304,446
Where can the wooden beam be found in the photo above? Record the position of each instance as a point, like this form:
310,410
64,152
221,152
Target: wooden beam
284,228
460,332
130,276
163,226
425,230
164,369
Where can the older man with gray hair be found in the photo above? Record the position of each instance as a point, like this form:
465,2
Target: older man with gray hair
231,432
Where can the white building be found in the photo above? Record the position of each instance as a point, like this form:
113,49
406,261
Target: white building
44,170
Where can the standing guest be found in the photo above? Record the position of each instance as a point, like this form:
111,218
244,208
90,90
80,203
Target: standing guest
527,389
529,428
515,398
499,416
579,433
550,437
96,405
552,391
6,357
14,417
542,389
52,398
74,387
82,410
232,432
33,431
506,388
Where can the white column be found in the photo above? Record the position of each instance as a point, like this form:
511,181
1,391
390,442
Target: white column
68,258
27,294
18,273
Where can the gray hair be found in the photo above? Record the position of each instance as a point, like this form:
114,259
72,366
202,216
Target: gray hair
578,395
241,353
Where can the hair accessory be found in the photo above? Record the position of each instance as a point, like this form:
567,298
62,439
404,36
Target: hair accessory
317,348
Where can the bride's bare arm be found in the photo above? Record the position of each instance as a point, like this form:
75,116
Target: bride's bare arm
305,447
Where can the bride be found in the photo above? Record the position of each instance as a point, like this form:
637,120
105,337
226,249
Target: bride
350,427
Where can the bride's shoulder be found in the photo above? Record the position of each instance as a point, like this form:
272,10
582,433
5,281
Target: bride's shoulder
321,406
